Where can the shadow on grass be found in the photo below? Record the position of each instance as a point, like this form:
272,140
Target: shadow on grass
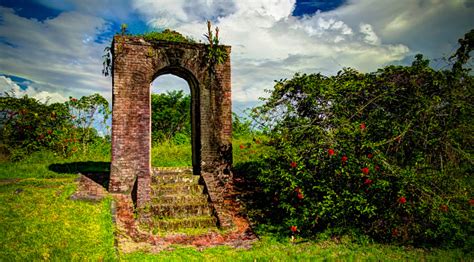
99,172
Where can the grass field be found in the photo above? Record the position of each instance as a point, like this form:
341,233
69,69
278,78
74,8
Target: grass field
38,221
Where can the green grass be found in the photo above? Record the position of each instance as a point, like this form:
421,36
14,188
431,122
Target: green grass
247,148
38,221
271,249
168,154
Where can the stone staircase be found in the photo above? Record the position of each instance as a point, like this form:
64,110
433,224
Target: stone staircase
178,204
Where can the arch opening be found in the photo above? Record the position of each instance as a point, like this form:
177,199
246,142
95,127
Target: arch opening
176,79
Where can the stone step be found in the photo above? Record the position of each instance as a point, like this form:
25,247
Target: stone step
176,188
180,211
171,171
174,178
175,224
178,204
179,199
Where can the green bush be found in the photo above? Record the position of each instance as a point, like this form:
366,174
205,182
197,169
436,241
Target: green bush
167,35
27,125
386,153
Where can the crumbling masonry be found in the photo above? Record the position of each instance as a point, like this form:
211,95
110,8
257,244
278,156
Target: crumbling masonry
136,64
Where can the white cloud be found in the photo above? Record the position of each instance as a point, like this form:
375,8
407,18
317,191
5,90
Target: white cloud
10,87
431,27
170,13
268,43
57,54
166,83
369,35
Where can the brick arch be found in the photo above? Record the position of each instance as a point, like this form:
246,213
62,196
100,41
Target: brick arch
136,64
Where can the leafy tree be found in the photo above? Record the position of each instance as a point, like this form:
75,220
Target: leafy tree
241,126
171,116
85,112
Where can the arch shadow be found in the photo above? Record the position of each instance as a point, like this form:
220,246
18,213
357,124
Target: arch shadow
98,172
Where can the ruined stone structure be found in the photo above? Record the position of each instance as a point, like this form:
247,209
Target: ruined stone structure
136,64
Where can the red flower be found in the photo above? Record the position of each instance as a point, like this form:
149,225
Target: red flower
471,202
298,190
344,159
377,168
241,146
293,229
331,152
362,126
300,195
293,164
394,232
72,99
369,155
402,200
365,170
50,132
444,208
367,181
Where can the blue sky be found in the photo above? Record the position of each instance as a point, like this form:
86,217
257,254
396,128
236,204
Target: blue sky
52,48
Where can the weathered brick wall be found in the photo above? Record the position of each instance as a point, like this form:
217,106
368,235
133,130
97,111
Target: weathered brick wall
137,63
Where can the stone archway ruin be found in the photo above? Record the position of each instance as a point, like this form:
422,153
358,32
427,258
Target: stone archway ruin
136,64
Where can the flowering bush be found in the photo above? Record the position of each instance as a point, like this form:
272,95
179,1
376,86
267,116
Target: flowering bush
386,153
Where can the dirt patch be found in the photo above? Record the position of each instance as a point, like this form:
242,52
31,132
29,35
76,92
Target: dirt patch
7,181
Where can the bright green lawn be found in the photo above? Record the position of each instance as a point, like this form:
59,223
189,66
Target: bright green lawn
167,154
39,222
270,249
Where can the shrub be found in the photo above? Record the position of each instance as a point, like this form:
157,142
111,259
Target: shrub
385,153
167,35
28,125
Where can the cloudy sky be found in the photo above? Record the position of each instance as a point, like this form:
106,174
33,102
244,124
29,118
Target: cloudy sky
53,48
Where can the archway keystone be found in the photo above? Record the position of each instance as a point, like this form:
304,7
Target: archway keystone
136,64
